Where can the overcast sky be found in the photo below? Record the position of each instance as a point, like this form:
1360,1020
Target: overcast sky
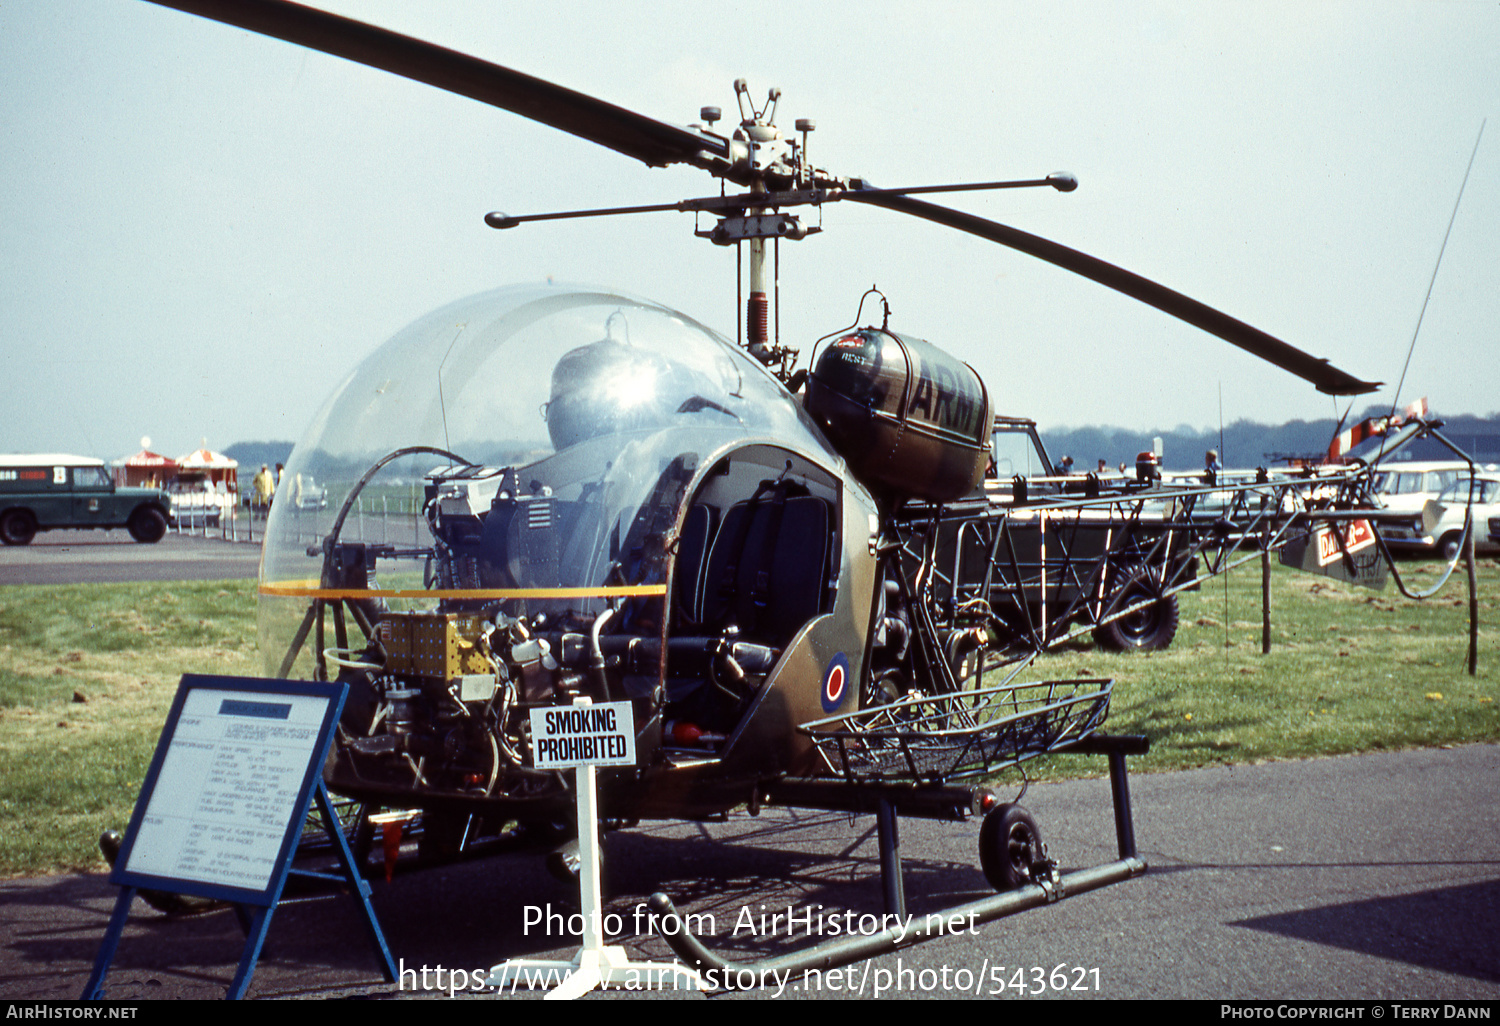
202,231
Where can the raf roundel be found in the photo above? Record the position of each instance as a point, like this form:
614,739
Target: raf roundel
835,682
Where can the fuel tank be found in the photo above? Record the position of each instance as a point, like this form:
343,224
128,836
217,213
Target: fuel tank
911,420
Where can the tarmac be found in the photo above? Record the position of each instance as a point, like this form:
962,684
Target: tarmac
74,557
1359,878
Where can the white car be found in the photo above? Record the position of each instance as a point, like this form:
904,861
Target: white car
308,494
1443,518
193,506
1408,487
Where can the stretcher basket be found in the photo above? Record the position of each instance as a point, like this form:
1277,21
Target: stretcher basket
940,738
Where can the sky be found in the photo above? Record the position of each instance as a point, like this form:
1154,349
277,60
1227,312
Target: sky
203,231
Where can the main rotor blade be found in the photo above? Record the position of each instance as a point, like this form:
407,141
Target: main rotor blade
656,143
1320,372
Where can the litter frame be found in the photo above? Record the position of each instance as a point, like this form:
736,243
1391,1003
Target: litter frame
934,739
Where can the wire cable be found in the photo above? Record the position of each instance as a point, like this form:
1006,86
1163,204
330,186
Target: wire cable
1396,397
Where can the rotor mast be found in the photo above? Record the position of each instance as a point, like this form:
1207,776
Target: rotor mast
768,160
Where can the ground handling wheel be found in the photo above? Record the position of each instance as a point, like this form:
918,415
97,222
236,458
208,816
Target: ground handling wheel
1010,846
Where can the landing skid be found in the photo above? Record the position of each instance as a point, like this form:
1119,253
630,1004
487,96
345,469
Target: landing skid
1046,886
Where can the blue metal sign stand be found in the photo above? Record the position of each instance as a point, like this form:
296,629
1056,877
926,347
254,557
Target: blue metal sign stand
237,768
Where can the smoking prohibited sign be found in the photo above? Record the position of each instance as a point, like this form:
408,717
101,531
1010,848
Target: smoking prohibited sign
583,735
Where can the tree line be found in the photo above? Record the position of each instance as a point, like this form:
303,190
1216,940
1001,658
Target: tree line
1244,443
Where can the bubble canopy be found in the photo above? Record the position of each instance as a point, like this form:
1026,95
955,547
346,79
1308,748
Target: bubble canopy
579,400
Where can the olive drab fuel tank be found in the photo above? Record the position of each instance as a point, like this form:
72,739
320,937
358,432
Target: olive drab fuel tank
911,420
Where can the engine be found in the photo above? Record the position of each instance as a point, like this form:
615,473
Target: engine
440,700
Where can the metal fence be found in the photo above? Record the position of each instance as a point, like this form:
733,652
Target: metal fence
380,519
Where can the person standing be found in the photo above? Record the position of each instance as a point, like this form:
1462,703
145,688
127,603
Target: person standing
264,488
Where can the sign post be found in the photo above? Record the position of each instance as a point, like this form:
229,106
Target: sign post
585,736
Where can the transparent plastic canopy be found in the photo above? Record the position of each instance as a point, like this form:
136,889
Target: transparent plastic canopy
584,397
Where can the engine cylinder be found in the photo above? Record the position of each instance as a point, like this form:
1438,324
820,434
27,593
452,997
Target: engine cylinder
913,421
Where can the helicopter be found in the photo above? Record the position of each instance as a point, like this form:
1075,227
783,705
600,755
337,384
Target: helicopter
609,500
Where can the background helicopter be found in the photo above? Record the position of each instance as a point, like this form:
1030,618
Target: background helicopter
690,483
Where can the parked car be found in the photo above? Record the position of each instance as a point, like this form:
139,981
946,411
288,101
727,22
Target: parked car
308,494
49,491
1443,519
196,506
1408,488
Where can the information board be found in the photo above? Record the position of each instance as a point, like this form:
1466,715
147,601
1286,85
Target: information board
228,790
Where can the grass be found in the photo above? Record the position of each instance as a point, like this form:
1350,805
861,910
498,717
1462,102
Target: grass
88,672
1350,670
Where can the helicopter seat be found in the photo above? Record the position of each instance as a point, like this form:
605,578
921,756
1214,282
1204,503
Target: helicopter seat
692,563
767,567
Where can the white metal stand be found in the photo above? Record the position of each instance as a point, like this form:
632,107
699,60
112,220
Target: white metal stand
596,964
